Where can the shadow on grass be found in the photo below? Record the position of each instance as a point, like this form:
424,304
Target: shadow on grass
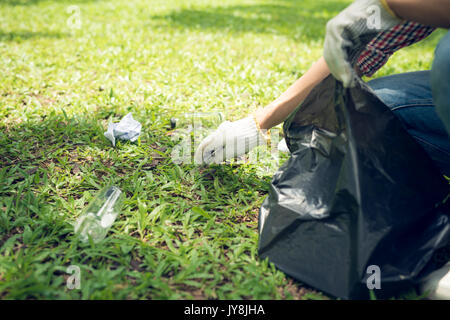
36,2
59,145
19,36
38,145
301,21
45,152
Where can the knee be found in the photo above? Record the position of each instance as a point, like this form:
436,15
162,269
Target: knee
440,80
441,63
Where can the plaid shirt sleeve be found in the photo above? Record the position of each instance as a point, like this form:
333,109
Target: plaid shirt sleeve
380,49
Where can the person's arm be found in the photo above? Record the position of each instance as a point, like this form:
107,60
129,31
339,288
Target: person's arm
433,13
233,139
277,111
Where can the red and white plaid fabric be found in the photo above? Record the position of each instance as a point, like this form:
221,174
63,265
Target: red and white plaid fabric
380,49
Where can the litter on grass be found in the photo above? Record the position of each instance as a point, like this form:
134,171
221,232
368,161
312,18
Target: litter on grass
199,123
126,129
99,215
189,129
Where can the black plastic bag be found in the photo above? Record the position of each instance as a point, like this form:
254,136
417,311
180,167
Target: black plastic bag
357,192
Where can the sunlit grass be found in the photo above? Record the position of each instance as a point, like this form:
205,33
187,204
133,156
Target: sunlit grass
183,232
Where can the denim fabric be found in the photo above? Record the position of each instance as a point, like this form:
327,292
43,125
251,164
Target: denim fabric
421,100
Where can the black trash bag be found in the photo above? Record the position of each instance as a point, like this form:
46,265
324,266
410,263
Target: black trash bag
357,192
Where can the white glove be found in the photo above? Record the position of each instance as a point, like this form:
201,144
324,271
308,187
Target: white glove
282,146
230,140
350,31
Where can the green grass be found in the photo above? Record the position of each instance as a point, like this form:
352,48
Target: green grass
183,232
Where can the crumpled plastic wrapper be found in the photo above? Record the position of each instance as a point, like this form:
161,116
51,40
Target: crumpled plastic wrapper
126,129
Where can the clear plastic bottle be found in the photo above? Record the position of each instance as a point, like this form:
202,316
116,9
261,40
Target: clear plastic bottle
200,123
99,215
190,130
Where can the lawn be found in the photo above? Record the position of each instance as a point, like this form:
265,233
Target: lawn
184,232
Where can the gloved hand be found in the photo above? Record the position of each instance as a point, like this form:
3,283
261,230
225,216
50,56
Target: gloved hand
350,31
230,140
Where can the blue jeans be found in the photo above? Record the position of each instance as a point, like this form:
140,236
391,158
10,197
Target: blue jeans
421,100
